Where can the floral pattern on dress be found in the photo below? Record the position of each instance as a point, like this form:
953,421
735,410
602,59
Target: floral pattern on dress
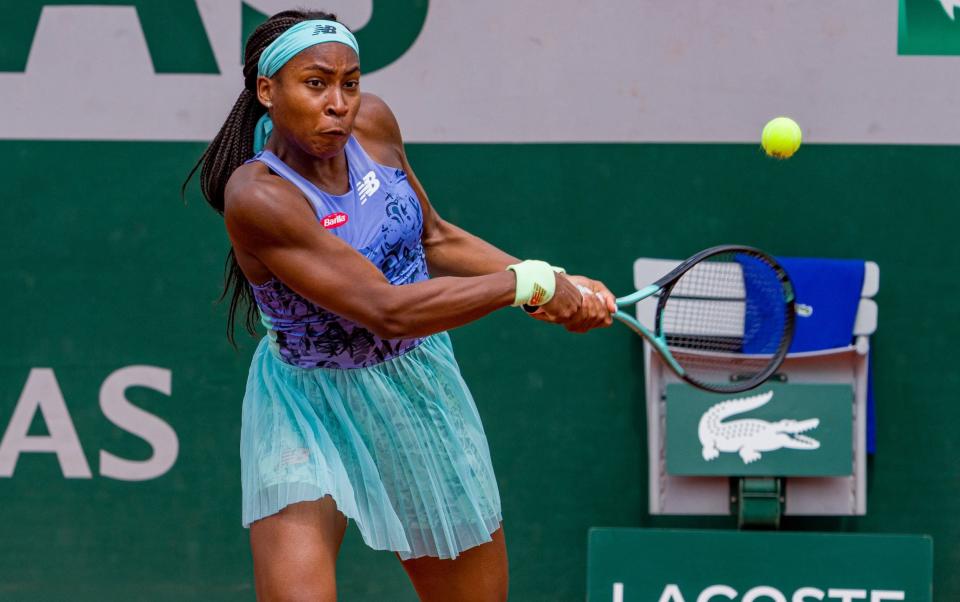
310,336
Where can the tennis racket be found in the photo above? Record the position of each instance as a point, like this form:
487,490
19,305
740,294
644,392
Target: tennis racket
724,318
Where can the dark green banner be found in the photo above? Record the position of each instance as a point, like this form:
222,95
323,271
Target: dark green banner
110,289
640,565
775,430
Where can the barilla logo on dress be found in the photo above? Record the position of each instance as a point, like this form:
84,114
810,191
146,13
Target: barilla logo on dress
335,220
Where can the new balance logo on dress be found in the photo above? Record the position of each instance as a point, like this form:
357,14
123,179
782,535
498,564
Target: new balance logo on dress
297,455
367,186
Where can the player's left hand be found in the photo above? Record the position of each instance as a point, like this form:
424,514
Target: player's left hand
596,310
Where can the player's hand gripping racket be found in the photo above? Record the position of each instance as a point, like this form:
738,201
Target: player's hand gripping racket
724,318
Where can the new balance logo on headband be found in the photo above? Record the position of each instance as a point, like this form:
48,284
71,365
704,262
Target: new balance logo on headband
324,29
367,186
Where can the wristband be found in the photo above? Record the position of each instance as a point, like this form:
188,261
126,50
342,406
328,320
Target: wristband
536,282
535,309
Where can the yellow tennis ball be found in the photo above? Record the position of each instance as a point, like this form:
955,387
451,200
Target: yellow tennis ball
781,137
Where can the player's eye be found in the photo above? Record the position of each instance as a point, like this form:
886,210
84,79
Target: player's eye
352,84
316,83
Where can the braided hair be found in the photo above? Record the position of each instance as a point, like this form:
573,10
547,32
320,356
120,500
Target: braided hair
232,146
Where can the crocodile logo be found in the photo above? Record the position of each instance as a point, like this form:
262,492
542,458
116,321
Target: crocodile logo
749,437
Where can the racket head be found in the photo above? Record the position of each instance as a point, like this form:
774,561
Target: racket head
727,317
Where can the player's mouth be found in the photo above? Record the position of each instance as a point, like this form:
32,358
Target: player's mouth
334,132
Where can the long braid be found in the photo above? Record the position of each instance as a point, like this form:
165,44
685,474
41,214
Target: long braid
232,146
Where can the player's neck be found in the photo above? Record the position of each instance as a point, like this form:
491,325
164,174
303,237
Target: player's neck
330,174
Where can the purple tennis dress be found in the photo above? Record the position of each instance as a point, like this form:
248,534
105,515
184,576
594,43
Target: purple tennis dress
386,427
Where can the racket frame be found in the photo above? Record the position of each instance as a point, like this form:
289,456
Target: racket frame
664,284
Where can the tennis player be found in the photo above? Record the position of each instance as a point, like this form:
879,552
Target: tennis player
354,406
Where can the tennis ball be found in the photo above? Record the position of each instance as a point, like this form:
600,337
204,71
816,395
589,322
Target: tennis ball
781,137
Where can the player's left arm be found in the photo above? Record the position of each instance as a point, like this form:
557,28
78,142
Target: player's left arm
450,250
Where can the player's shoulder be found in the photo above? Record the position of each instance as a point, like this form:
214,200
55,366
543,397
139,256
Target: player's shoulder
376,115
251,188
258,203
378,130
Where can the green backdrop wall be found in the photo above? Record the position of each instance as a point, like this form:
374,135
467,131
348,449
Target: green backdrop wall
104,267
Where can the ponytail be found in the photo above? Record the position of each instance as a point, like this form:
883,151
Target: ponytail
232,146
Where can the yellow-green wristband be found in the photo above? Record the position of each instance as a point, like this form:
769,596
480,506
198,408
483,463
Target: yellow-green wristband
535,309
536,282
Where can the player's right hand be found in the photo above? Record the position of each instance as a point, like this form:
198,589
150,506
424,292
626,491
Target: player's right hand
565,305
595,309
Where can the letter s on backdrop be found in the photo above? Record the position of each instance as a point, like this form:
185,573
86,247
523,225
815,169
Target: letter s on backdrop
118,409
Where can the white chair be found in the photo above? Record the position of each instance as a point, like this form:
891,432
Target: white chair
831,496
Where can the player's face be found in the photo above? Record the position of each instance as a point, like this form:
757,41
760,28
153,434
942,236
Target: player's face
315,98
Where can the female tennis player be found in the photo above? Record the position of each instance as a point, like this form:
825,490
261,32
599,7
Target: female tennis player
354,406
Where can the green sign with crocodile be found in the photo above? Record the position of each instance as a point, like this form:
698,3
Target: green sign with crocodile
776,430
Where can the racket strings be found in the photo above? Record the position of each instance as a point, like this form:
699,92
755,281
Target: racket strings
721,310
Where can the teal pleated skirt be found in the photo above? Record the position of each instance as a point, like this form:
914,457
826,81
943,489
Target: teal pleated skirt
398,446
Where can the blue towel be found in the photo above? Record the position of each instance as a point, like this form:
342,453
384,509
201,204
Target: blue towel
828,294
871,415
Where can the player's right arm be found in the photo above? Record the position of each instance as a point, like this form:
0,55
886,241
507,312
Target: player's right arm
268,219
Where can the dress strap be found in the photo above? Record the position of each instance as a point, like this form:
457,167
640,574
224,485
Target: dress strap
313,194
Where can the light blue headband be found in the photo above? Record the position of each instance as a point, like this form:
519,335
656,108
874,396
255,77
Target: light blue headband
290,43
